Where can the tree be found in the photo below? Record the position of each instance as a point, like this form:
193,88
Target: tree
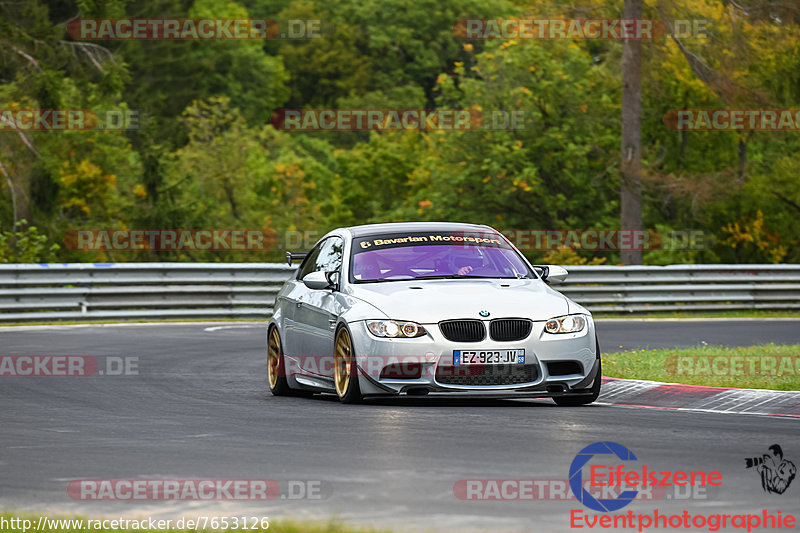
631,145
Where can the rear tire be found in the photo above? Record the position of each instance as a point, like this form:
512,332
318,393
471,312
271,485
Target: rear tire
345,368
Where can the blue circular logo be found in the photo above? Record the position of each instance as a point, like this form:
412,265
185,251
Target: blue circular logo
576,477
484,313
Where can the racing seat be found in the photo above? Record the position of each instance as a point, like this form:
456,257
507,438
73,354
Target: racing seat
366,266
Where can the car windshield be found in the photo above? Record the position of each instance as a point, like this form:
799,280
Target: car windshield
434,255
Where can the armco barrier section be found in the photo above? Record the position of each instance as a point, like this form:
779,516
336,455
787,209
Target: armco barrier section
100,291
638,289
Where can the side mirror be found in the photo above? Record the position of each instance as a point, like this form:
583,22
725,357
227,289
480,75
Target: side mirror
552,273
318,281
542,271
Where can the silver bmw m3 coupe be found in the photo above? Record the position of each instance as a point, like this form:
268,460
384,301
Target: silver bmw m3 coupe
427,308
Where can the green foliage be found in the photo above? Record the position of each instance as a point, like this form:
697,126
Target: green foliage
205,155
568,256
26,245
377,45
533,176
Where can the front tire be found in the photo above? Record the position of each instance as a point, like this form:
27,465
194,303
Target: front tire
276,367
345,368
583,399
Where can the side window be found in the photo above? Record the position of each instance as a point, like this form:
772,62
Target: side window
310,263
330,255
327,257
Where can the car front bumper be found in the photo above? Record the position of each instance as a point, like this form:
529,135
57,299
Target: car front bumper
434,354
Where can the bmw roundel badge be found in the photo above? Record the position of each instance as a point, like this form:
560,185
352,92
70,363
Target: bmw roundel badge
484,313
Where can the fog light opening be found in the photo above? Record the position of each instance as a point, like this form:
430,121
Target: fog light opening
407,370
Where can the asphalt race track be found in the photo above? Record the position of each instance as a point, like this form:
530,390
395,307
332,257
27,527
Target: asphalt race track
198,409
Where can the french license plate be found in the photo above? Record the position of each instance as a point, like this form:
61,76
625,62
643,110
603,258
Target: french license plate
489,357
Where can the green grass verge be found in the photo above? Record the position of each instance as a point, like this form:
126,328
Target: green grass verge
274,526
672,365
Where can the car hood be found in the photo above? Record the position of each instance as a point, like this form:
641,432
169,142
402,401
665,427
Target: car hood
431,301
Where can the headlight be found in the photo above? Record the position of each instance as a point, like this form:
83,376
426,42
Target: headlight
395,328
565,324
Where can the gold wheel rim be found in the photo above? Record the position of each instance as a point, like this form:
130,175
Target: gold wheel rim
342,364
273,358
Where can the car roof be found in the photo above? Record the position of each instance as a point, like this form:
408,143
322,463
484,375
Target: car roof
400,227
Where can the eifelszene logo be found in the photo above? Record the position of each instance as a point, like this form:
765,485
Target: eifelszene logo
776,472
619,480
576,477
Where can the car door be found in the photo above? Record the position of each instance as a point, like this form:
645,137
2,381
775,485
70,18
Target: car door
294,330
318,310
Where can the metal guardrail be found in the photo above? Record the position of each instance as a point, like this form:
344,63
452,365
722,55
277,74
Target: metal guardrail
247,290
92,291
637,289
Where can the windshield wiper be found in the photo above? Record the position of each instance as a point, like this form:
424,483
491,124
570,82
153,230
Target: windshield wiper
461,276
